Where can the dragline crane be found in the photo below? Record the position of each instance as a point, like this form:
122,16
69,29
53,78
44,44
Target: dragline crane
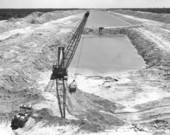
65,56
59,75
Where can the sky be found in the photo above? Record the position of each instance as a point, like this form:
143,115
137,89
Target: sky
83,3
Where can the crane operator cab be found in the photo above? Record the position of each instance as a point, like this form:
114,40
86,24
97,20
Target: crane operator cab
73,87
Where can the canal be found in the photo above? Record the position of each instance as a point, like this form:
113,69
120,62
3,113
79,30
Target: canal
102,54
104,19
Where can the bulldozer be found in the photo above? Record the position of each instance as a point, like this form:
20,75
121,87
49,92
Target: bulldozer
19,119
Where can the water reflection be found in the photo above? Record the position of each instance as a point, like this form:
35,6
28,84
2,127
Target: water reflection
101,18
101,55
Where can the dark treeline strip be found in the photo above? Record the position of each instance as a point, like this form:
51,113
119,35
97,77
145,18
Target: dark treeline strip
19,13
153,10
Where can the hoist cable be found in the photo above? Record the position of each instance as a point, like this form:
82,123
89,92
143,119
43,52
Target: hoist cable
81,47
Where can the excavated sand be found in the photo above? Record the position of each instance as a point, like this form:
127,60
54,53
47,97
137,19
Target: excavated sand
135,102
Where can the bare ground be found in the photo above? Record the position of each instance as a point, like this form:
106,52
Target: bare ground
136,100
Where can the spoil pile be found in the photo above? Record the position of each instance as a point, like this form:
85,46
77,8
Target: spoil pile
147,15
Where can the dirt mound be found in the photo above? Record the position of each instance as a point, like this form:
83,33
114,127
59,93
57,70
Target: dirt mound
39,18
23,58
34,18
88,112
93,109
146,15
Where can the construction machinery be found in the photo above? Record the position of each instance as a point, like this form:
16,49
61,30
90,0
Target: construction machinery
19,119
59,73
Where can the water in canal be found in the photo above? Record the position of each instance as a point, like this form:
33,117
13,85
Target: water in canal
104,55
104,19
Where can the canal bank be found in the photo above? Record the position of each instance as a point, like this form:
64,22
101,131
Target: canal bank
138,93
141,42
105,51
139,99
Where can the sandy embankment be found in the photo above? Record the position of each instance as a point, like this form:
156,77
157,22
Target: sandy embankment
159,17
25,73
26,55
145,93
26,51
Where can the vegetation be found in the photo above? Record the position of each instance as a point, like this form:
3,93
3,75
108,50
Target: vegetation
19,13
153,10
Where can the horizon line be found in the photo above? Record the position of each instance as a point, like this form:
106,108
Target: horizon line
94,8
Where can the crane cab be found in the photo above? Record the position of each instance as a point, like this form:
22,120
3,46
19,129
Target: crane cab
73,87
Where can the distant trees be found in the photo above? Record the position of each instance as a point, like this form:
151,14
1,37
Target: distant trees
19,13
153,10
